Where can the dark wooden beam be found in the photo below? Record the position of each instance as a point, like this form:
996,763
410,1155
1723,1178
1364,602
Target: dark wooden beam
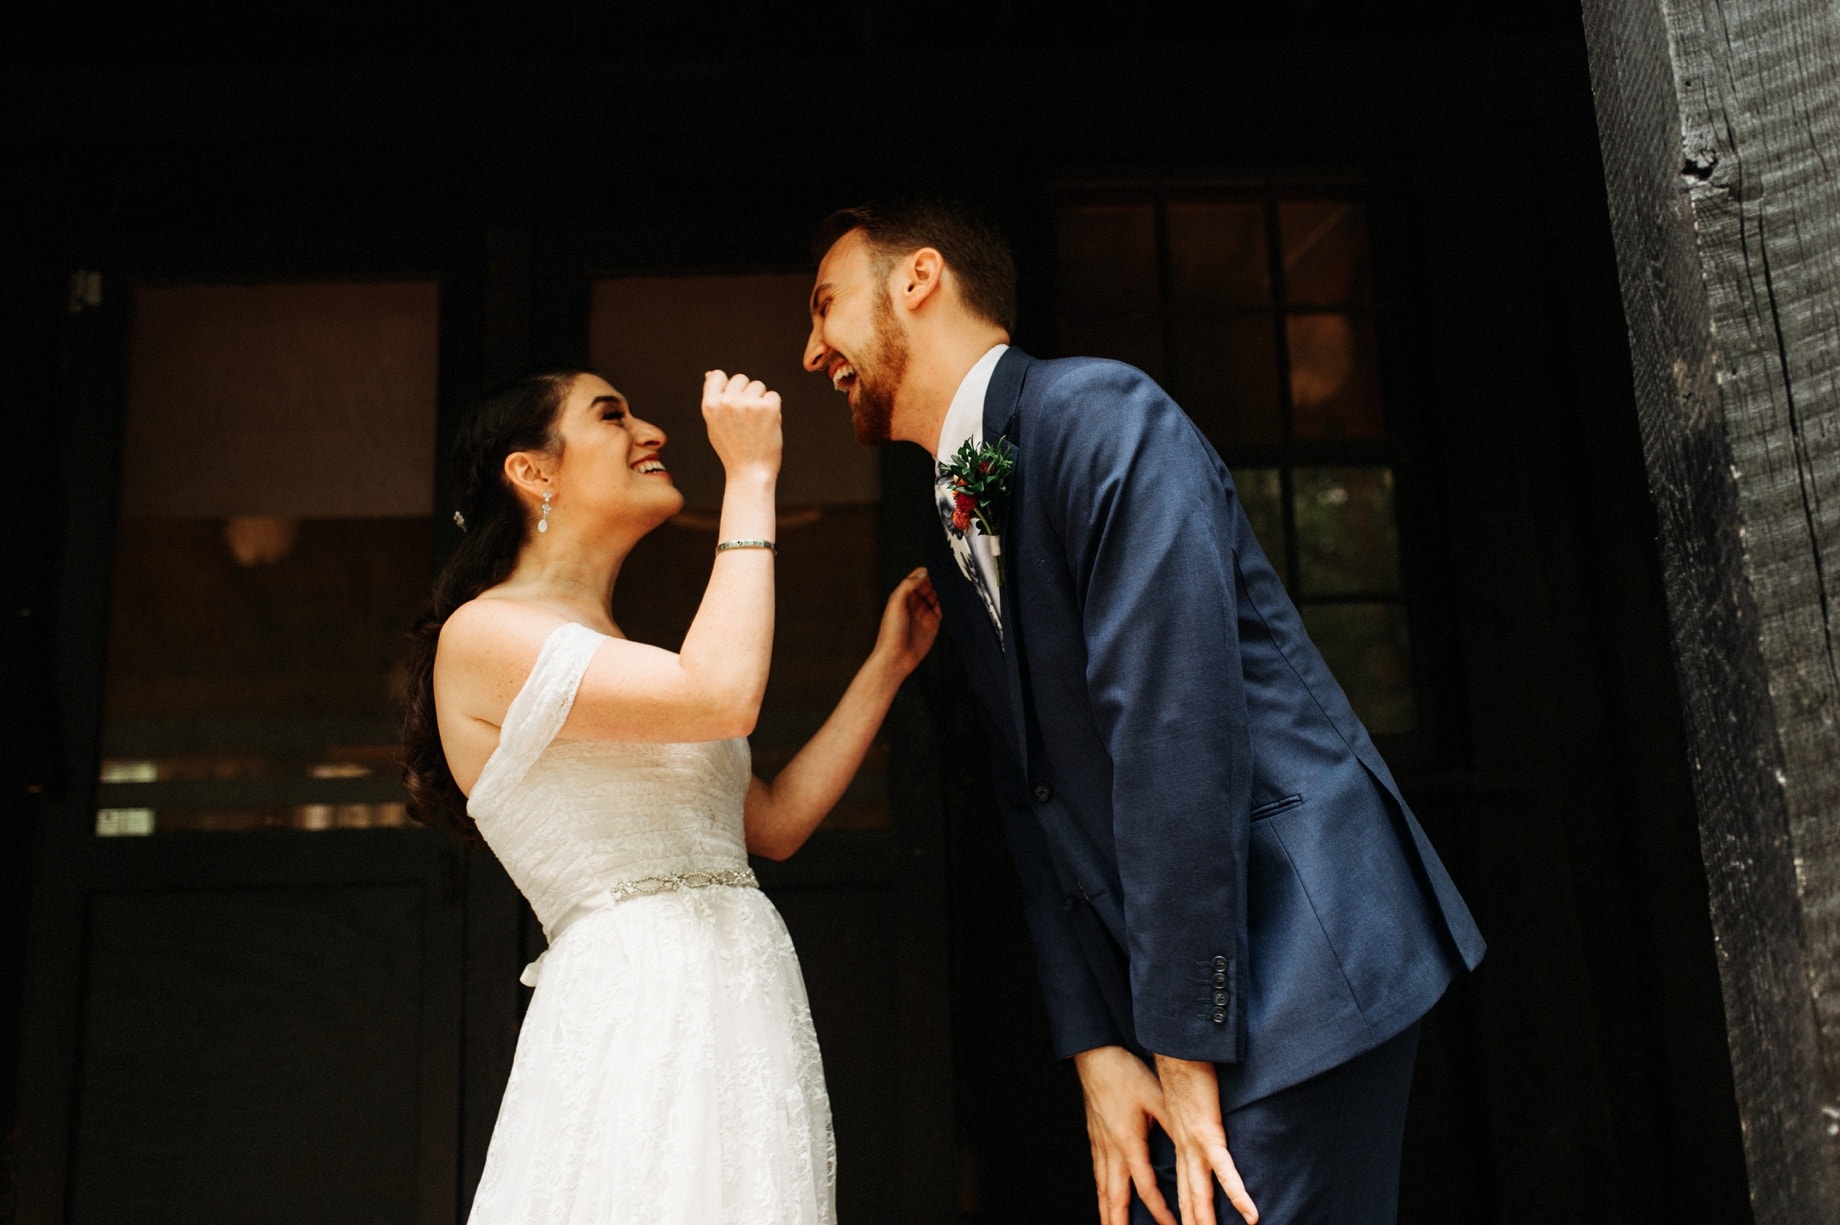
1721,137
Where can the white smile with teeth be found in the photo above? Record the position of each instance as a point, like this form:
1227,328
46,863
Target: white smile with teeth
841,372
649,466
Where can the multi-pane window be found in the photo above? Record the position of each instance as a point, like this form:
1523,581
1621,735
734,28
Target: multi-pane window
1255,309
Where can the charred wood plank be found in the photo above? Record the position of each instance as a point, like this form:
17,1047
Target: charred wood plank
1720,125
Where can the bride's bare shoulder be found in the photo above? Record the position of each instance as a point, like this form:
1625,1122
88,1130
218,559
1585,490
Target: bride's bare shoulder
485,652
490,625
489,644
488,617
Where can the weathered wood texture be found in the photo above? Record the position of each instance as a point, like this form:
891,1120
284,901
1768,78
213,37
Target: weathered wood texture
1718,122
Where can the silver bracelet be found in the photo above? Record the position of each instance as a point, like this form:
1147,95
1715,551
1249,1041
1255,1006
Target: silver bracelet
747,544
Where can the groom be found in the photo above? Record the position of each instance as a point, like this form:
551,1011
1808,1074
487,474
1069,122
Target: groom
1238,922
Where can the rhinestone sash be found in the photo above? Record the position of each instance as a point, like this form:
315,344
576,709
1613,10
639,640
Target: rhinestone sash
643,886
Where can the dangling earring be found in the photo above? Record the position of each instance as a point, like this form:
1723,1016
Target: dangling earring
543,523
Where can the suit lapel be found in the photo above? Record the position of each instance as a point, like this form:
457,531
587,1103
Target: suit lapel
1001,399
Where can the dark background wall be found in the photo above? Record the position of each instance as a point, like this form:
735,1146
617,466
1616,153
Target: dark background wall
1581,1073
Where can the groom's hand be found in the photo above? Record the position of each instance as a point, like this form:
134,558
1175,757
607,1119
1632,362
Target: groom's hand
1122,1097
1191,1104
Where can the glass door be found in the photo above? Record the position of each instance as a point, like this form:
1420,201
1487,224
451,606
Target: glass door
246,997
275,540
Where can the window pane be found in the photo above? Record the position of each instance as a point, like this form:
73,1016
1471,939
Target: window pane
252,691
1108,258
1227,376
1347,535
1325,252
1262,494
1137,339
261,595
654,337
1335,383
1367,647
310,400
1217,254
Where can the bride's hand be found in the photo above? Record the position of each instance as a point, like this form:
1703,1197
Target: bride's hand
910,622
743,418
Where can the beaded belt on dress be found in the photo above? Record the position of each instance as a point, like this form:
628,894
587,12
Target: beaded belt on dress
641,886
645,886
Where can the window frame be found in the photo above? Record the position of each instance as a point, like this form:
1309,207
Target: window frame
1423,586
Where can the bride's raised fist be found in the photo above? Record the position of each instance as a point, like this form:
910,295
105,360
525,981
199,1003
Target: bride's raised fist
743,419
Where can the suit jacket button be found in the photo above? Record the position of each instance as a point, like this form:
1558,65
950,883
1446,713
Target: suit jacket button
1220,1016
1220,963
1043,793
1220,980
1220,997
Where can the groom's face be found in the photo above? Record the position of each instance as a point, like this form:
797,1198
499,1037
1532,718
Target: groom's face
856,339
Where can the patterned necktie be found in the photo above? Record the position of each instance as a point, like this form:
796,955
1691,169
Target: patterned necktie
961,548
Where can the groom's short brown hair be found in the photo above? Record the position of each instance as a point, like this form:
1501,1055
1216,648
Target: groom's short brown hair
972,245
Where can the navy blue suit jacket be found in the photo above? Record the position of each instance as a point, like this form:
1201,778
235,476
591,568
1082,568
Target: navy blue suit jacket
1216,862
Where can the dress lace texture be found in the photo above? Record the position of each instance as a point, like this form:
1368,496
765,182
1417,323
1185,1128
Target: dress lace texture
667,1070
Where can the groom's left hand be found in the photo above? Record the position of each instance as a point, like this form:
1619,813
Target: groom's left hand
1191,1102
1122,1100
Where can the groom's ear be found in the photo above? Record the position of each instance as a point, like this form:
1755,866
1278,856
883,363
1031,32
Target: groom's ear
922,275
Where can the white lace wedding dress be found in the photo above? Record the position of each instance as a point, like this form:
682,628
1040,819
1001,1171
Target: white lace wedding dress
667,1071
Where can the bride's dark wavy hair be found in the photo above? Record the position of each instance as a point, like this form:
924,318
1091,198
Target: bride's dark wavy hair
521,416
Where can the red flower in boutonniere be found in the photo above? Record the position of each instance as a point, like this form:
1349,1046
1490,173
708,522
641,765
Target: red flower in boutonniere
980,490
963,507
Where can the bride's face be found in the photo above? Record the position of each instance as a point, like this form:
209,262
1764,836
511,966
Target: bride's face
610,475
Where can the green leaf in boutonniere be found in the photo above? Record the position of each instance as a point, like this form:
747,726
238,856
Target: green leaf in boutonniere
980,490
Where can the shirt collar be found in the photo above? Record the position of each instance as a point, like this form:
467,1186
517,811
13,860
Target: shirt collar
965,418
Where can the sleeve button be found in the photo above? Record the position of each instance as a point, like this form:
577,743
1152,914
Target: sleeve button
1043,793
1220,997
1220,963
1220,1016
1220,980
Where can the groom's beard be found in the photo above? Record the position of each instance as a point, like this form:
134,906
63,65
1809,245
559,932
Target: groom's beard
879,377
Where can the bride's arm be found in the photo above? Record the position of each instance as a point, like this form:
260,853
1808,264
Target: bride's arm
781,815
710,689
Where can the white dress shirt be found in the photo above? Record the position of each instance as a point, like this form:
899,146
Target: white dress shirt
965,420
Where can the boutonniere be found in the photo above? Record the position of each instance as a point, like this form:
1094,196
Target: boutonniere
980,490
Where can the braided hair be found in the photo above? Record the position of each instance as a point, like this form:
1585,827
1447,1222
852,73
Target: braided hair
520,416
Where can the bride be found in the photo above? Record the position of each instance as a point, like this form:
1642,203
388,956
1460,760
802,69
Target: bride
666,1070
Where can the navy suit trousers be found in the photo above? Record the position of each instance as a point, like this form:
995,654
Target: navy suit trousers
1324,1152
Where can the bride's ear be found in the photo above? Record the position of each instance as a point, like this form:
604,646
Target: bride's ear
525,470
